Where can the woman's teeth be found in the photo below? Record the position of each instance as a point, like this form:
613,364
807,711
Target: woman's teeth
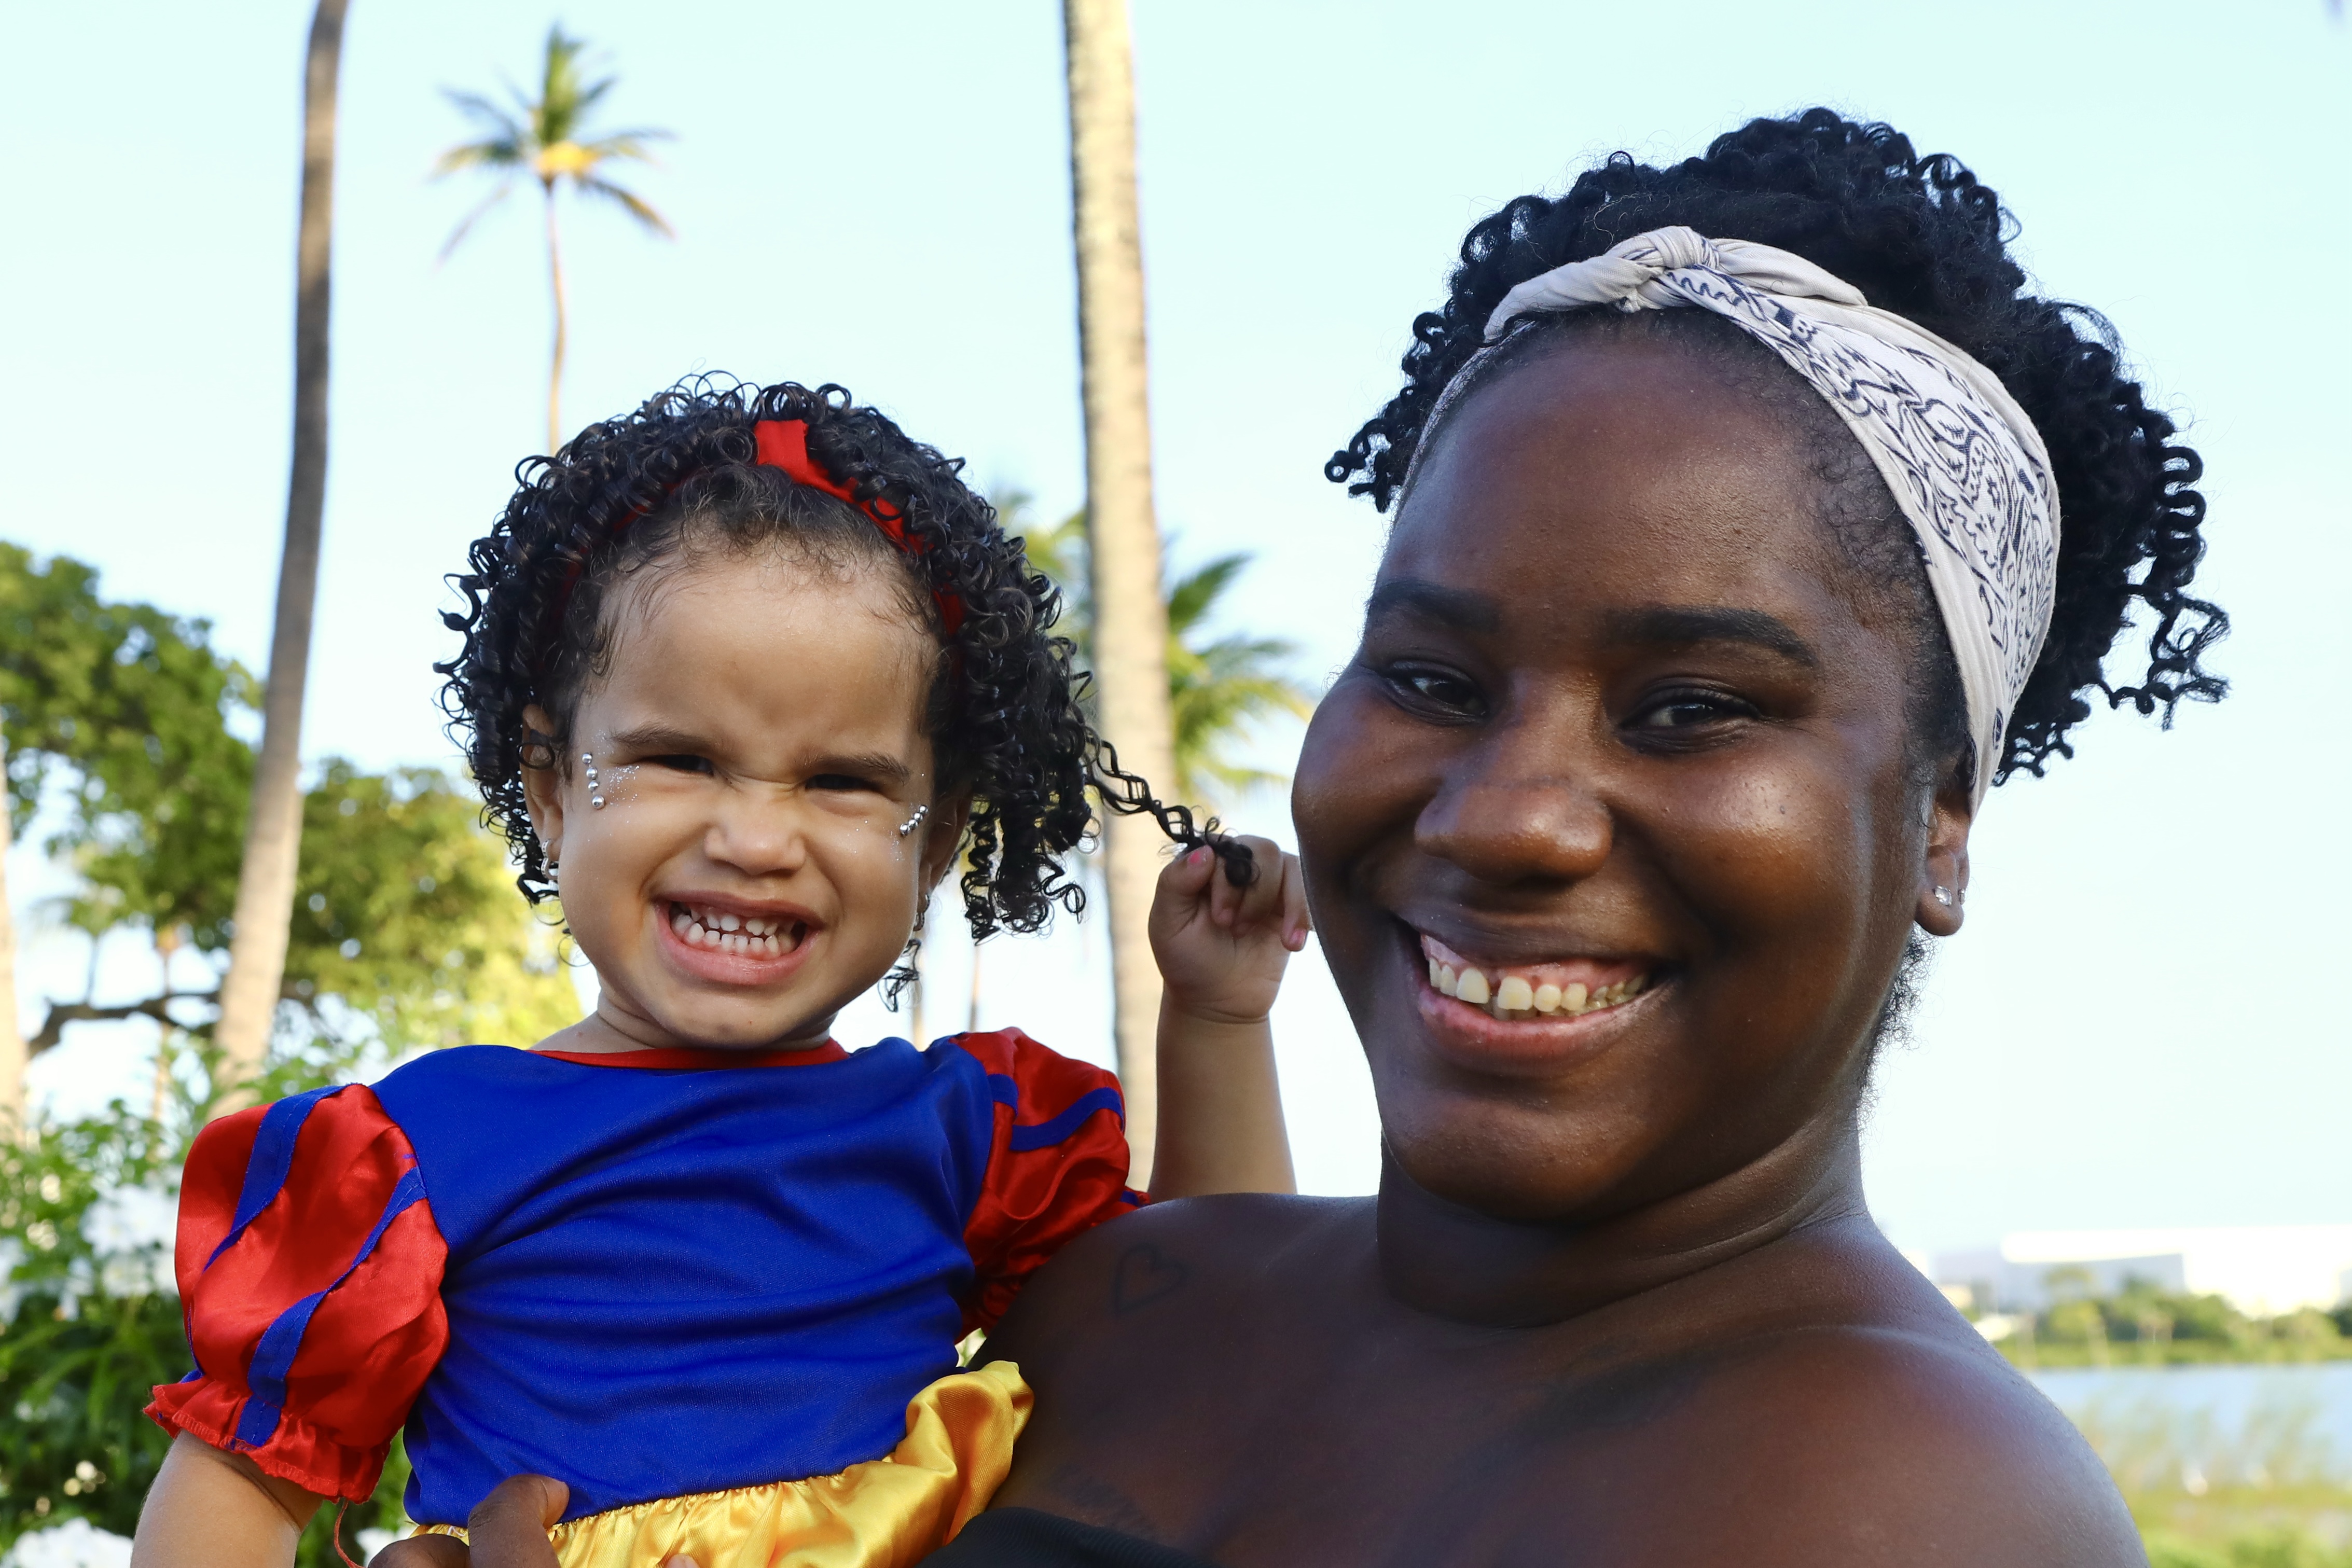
748,935
1508,996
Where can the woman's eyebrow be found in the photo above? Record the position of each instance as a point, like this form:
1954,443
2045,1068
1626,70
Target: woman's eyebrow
1455,607
1684,624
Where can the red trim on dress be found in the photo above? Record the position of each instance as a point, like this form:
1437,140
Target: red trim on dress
682,1056
1034,1202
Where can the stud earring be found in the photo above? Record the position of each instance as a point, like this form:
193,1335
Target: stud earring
911,824
596,796
1944,897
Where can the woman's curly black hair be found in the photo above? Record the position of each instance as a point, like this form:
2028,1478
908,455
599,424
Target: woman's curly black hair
1921,237
1005,712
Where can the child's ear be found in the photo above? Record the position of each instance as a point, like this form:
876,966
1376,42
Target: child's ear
942,836
542,782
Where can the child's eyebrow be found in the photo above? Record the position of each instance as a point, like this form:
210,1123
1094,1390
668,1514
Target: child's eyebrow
658,739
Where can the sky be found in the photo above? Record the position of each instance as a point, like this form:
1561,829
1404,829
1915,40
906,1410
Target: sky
2141,1023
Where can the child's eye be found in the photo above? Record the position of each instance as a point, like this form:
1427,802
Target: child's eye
1689,709
839,782
679,762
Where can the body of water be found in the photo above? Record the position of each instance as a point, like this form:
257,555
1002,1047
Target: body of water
2201,1427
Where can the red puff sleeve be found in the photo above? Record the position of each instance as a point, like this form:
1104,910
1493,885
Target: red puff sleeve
1057,1166
310,1274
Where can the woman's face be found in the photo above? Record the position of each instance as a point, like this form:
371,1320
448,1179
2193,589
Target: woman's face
1621,766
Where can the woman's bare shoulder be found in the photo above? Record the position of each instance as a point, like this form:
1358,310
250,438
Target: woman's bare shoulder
1176,1267
1851,1444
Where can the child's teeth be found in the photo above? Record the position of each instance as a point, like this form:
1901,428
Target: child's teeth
731,922
1473,988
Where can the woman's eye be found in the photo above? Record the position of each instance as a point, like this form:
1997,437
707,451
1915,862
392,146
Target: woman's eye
683,763
1687,710
1436,688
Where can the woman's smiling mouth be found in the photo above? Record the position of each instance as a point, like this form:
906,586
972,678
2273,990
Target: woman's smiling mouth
1565,987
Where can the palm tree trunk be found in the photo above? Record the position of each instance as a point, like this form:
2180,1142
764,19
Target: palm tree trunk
12,1037
555,362
1131,621
265,884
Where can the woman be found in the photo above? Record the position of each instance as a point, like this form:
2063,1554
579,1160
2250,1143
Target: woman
1716,600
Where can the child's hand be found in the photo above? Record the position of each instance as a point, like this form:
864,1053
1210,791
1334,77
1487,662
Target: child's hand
1222,948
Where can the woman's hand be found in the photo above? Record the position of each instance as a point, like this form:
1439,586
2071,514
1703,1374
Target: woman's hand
507,1530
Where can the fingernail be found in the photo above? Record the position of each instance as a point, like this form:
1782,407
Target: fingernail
1198,855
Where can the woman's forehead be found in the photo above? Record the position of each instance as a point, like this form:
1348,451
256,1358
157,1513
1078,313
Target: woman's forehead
1615,473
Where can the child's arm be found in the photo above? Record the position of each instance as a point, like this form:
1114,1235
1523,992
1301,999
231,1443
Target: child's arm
211,1509
1221,951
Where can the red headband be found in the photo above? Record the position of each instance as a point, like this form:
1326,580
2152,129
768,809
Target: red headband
782,444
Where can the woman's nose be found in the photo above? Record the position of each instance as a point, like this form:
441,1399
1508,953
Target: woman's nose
1507,817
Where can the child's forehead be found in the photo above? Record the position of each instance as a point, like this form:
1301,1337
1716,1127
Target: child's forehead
767,647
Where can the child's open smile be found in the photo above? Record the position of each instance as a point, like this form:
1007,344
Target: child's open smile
758,742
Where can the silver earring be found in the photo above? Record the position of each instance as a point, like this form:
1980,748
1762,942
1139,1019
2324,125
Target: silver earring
596,796
1944,897
911,824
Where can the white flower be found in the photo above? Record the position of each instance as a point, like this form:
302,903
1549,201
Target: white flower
76,1543
130,1231
12,1294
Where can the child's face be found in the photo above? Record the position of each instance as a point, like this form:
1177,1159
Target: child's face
758,743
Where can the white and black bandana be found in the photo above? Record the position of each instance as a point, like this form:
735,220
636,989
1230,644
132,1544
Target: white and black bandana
1964,463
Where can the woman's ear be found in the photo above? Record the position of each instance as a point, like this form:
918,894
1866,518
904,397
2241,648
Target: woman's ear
543,774
942,836
1944,872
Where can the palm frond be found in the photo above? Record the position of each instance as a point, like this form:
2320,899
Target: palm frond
474,106
466,223
1196,593
635,204
626,144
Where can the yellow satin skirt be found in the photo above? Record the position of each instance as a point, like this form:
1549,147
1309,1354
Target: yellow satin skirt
883,1513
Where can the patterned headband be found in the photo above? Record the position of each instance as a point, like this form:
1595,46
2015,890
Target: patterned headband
1964,463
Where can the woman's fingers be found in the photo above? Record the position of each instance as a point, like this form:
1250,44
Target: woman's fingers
424,1551
509,1527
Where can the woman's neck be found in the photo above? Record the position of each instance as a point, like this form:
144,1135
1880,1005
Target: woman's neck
1452,1261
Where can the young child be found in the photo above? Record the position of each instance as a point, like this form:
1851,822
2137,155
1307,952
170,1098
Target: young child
744,673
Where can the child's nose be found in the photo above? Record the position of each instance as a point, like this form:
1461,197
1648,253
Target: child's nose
760,837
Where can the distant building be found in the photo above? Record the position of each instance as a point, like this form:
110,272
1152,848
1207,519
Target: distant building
2261,1269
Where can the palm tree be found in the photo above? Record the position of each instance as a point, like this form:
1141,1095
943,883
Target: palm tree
1131,622
264,886
546,137
1217,690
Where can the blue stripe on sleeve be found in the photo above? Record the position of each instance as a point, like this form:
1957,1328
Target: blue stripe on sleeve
1004,1091
266,1167
1045,1135
273,1358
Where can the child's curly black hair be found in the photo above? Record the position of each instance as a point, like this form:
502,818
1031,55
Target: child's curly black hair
1005,712
1921,237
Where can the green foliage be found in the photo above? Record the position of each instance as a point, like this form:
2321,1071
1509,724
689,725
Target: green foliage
1217,688
407,927
406,930
2144,1323
126,707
